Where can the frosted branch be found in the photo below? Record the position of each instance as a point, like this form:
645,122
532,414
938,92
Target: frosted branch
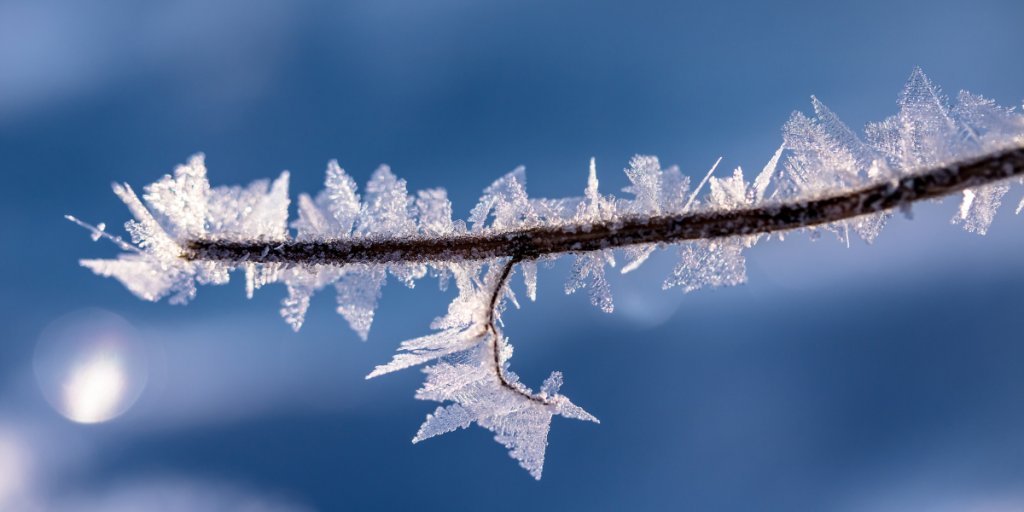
543,241
187,233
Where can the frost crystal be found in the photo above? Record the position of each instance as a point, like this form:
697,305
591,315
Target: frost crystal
595,207
979,207
712,263
335,210
645,173
478,380
469,355
656,192
435,212
927,132
519,419
463,326
388,210
358,291
507,198
826,155
922,133
593,265
181,200
530,278
302,283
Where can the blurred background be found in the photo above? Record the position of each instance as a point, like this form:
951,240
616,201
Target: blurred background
884,377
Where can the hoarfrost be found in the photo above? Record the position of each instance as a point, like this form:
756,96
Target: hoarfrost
927,132
922,133
729,193
693,196
765,178
979,207
592,264
302,283
507,198
358,291
656,191
435,212
340,197
826,155
645,173
181,200
312,224
530,278
636,255
470,373
519,419
711,263
822,157
252,213
335,210
595,207
463,326
388,210
428,348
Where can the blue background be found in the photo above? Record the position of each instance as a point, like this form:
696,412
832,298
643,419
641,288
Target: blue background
882,377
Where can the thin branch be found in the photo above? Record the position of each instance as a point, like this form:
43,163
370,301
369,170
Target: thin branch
499,285
535,242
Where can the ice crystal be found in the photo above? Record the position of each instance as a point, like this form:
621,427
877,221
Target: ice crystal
765,178
302,283
731,192
711,263
592,264
470,374
826,155
435,212
530,278
595,207
463,326
927,132
181,200
922,133
468,354
506,197
645,173
656,191
358,291
258,211
388,210
979,206
519,419
335,210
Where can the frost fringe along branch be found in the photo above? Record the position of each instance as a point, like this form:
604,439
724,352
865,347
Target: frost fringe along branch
545,240
189,233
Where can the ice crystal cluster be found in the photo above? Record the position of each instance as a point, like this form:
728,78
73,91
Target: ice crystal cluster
468,354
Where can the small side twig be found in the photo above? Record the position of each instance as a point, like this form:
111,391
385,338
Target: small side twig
492,328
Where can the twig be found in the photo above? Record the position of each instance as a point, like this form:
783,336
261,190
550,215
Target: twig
499,285
535,242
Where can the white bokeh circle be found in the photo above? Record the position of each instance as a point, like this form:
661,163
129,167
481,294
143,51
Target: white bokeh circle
90,365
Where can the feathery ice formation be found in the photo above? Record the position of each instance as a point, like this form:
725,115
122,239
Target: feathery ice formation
824,158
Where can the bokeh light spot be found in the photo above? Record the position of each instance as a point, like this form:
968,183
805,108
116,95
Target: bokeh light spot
91,365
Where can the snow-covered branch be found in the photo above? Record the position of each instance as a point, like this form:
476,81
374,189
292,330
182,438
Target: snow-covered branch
185,233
